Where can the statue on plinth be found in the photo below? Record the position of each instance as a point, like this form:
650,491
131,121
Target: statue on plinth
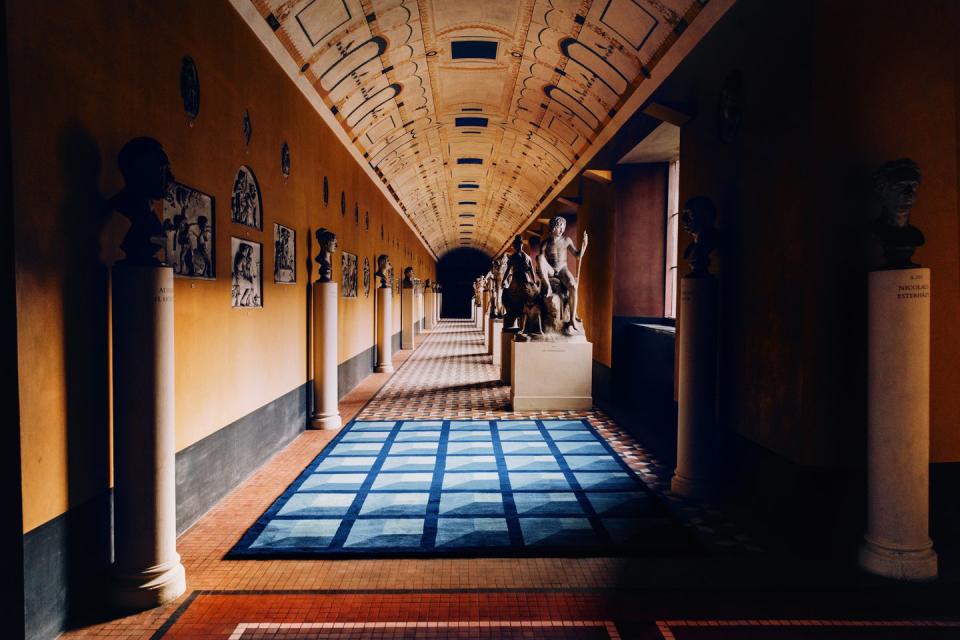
408,278
478,291
896,184
499,272
146,176
327,242
698,218
384,270
559,287
522,285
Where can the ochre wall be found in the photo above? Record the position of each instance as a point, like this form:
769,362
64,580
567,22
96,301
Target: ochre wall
87,77
831,91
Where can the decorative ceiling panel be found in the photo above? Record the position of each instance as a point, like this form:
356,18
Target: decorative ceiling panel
472,113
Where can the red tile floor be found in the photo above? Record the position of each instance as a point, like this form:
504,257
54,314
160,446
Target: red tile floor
450,376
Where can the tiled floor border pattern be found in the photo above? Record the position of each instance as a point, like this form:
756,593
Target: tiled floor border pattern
453,626
666,627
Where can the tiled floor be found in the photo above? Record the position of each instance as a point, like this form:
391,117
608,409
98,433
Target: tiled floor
448,376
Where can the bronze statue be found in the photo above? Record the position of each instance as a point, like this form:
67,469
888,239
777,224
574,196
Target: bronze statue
146,176
698,218
384,269
896,184
327,241
555,274
408,278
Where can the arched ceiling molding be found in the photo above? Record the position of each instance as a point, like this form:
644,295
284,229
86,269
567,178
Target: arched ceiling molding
497,103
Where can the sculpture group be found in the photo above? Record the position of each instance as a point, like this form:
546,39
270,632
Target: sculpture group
537,296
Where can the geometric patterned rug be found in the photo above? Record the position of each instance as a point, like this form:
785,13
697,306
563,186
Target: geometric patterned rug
488,488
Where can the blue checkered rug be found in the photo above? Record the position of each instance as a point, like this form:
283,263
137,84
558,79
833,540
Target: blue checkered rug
465,488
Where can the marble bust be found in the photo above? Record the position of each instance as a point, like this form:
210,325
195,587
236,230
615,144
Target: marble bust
698,219
384,269
896,184
146,176
327,241
408,278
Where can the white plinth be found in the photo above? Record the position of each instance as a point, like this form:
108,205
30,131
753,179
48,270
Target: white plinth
897,541
326,409
496,332
551,376
384,330
147,570
695,475
438,309
408,319
473,308
478,317
506,353
418,309
429,317
493,334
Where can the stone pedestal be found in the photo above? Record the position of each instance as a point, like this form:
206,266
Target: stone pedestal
897,542
147,570
478,317
551,376
429,316
493,334
506,353
408,318
326,409
384,330
439,306
473,308
697,439
418,308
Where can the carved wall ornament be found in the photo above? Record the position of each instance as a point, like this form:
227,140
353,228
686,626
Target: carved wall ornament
326,191
896,184
246,205
366,277
343,203
730,108
285,160
190,87
246,128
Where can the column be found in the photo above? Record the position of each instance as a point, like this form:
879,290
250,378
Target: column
429,302
384,330
506,353
408,312
147,570
326,409
897,541
697,391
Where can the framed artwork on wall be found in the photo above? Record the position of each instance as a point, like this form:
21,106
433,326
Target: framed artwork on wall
284,254
366,277
245,203
247,274
348,274
189,227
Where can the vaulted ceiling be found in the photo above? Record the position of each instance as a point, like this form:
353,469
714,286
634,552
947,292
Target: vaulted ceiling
471,113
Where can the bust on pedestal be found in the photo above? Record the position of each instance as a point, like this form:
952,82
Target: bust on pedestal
384,315
897,541
697,437
408,310
147,571
326,411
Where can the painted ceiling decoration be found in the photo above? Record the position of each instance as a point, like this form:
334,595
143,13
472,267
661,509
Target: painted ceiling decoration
472,113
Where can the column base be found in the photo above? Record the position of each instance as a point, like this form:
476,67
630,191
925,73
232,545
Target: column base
694,489
152,587
900,564
384,368
325,422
